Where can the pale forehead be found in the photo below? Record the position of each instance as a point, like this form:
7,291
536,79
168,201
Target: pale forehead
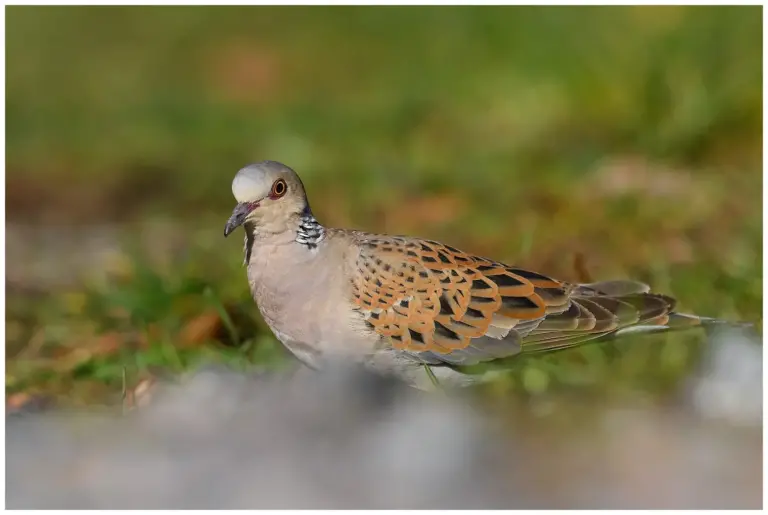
255,180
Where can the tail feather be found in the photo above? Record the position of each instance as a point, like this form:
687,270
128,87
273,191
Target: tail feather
616,287
609,309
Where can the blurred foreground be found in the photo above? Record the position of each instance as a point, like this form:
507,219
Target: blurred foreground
220,439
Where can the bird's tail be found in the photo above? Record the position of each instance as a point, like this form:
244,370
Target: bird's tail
610,309
678,321
669,321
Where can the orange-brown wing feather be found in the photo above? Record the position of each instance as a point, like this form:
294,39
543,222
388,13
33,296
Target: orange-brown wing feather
443,304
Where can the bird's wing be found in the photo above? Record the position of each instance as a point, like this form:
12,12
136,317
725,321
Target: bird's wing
443,305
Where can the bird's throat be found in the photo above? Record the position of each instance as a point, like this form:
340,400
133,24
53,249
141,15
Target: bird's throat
308,233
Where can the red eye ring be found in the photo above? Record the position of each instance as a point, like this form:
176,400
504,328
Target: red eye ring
278,189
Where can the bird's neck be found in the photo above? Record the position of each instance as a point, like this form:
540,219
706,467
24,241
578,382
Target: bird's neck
309,232
304,230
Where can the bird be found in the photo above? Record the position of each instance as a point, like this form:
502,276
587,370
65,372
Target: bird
416,309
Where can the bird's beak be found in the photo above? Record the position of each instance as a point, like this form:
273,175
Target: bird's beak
238,217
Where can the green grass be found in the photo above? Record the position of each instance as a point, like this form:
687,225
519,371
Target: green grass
629,134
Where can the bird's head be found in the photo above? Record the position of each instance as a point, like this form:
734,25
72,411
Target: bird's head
269,195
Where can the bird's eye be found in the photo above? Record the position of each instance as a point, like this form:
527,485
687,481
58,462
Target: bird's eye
278,189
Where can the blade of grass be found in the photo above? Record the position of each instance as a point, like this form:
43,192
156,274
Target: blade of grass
216,303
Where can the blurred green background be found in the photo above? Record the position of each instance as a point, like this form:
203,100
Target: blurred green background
602,141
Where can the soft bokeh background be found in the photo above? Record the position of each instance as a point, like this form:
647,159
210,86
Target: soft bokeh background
582,142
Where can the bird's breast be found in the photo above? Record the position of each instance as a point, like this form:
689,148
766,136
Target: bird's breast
305,302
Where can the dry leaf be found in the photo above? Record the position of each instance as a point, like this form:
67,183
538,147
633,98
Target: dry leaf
141,394
423,211
245,73
200,329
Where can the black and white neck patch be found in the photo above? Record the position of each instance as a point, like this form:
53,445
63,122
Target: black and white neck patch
310,232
